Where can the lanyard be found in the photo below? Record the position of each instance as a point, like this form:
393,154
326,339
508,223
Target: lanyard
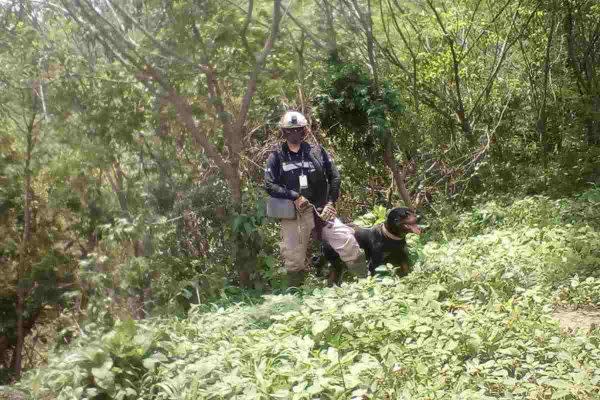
302,179
301,166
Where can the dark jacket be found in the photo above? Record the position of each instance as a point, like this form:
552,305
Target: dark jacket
284,168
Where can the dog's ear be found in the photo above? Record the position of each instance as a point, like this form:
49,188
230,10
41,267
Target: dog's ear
402,220
399,212
394,220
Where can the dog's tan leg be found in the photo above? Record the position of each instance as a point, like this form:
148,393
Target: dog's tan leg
404,269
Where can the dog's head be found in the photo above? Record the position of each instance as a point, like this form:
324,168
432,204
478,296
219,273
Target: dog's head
401,221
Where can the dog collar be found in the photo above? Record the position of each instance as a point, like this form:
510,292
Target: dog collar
389,234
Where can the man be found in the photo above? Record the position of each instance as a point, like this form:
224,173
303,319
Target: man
306,174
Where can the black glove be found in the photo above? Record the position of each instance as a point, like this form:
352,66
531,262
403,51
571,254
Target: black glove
302,205
328,214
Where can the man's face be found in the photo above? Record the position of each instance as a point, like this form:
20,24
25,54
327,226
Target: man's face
293,135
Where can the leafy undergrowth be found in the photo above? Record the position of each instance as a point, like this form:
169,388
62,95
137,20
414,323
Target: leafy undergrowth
473,321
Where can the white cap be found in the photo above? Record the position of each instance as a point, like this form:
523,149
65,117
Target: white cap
292,119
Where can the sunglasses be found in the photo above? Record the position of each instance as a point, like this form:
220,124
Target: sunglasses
299,129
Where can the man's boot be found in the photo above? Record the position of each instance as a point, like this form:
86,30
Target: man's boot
296,278
359,267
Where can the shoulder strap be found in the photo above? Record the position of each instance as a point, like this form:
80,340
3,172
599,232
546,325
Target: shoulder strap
315,156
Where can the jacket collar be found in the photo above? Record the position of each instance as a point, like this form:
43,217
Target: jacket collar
304,147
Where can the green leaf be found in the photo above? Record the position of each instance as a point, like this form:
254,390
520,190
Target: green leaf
103,376
320,326
423,328
560,394
156,358
395,326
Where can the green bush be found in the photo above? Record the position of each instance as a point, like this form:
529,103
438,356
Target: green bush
533,211
373,338
472,321
577,292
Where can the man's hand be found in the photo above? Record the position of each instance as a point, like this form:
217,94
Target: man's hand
302,204
328,213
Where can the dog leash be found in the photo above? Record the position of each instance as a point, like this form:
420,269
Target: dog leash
318,224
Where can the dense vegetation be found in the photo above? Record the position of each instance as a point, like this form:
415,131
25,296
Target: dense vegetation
472,321
132,142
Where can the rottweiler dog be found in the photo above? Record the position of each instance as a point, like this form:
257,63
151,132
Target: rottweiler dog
383,243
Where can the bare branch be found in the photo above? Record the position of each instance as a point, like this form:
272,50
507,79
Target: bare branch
307,31
260,61
471,22
505,49
331,33
185,113
150,36
496,16
246,25
571,43
466,127
216,99
147,74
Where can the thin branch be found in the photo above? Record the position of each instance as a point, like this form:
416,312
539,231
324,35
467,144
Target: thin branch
408,47
505,50
215,97
307,31
108,3
471,22
130,43
412,25
246,25
231,3
102,35
151,37
456,65
185,113
331,33
571,42
183,108
530,74
483,31
260,60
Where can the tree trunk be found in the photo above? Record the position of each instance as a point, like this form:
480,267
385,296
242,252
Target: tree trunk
593,122
4,346
397,172
371,45
234,182
235,185
20,304
582,53
542,113
118,185
27,325
17,359
233,129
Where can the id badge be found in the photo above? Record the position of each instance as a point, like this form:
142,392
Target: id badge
303,181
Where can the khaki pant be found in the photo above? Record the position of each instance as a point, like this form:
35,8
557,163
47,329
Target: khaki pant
295,237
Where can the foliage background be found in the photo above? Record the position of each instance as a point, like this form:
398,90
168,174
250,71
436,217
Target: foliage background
114,208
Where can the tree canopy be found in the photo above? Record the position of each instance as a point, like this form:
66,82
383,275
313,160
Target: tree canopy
134,135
